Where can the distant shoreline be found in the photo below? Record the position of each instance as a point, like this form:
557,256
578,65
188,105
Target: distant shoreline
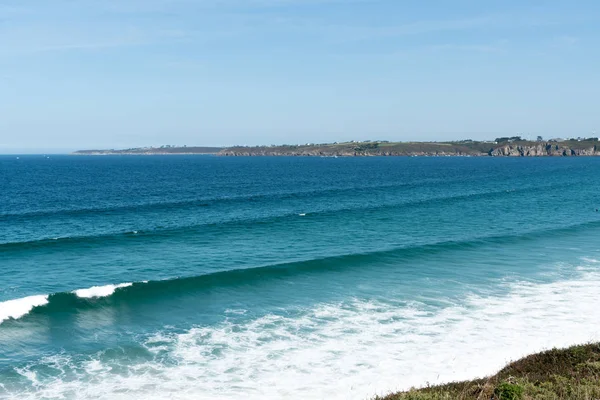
501,147
118,153
164,150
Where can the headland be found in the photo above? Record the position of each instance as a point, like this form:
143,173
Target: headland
501,147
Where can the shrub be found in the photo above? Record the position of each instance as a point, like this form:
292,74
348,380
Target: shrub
508,391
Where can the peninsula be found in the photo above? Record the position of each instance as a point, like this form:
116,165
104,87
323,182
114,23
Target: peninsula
501,147
167,149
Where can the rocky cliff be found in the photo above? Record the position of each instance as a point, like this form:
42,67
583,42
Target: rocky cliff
546,149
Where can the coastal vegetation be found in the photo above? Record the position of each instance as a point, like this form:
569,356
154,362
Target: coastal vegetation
557,374
366,148
513,146
509,146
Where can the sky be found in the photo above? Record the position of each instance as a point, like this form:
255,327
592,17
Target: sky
81,74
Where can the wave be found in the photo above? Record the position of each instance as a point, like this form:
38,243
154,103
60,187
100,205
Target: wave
354,349
14,309
100,291
17,308
132,292
183,230
208,201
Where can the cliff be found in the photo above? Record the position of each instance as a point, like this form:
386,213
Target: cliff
564,149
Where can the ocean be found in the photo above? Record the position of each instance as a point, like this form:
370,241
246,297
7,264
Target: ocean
205,277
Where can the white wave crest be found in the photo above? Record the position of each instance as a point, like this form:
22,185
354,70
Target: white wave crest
19,307
100,291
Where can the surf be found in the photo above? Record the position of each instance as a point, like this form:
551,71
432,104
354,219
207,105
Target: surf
348,350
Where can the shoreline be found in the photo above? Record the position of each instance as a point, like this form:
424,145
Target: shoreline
311,156
566,373
139,154
502,147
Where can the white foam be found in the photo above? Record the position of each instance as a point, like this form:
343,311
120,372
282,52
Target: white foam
19,307
351,350
100,291
236,311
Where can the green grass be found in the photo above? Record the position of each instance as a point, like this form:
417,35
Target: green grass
556,374
375,148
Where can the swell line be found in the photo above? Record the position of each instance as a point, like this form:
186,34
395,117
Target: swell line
208,201
193,228
133,293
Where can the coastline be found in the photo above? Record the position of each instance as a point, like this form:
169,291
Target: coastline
119,153
569,373
466,148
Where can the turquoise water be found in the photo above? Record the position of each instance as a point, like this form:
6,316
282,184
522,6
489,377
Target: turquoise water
191,277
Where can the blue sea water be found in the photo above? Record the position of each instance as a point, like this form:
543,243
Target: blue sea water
192,277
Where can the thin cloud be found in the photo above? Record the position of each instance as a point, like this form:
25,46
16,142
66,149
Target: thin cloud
47,39
566,40
469,47
85,46
7,11
162,21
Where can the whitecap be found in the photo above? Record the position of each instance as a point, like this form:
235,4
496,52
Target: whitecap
19,307
349,350
100,291
235,311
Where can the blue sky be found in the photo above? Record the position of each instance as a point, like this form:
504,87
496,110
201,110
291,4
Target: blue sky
123,73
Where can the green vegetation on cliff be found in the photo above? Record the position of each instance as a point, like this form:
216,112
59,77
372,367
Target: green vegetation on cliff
513,146
505,146
565,374
366,148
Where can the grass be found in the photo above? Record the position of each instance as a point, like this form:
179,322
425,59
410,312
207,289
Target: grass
369,148
557,374
378,148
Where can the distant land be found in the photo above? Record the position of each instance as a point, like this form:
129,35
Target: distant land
502,147
154,150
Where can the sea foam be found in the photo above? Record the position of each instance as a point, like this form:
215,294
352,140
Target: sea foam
350,350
